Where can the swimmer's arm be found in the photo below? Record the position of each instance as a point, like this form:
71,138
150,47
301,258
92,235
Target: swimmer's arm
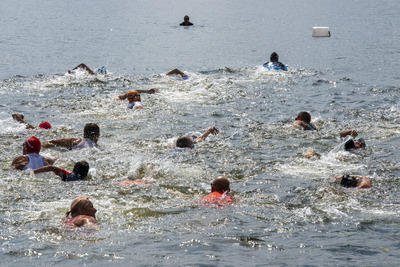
351,132
85,220
62,142
85,67
19,162
49,168
50,161
147,91
120,97
20,118
210,130
365,182
299,124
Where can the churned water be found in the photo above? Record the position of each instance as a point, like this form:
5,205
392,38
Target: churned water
290,212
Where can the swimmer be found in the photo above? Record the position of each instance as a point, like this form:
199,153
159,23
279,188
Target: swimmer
134,97
354,181
274,63
91,134
189,142
20,118
303,121
350,140
220,189
177,72
100,70
79,172
31,159
147,178
186,21
310,153
82,213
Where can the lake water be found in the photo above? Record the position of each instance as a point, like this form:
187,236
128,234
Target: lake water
290,212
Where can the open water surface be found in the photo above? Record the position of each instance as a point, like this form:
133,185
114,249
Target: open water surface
290,212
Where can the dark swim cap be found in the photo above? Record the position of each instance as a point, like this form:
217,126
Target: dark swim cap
81,168
348,181
274,57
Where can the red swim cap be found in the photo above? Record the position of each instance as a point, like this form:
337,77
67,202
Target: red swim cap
32,144
45,125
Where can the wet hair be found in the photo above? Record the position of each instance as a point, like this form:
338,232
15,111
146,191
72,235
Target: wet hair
77,203
348,181
304,116
184,142
274,57
349,144
91,130
221,183
81,168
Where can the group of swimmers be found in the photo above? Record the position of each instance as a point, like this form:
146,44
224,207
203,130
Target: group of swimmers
82,211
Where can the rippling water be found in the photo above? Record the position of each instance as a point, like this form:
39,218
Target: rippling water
289,212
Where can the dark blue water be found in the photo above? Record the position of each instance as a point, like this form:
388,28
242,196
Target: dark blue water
290,211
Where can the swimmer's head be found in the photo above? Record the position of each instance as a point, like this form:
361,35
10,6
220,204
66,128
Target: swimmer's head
91,131
221,184
303,116
81,168
32,145
274,57
81,206
348,181
359,143
133,95
45,125
185,142
186,18
102,70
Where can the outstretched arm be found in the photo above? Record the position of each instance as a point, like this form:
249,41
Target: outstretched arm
49,168
85,67
20,118
210,130
365,182
62,142
175,71
147,91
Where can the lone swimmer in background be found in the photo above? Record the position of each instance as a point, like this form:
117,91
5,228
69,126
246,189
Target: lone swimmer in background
186,21
100,70
134,97
178,72
274,63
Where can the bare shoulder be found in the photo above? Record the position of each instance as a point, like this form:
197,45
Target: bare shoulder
19,162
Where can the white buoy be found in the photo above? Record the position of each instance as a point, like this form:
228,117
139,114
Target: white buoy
321,32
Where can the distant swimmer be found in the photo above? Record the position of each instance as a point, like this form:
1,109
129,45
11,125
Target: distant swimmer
186,21
82,213
354,181
274,63
350,141
83,66
20,118
79,172
220,189
178,72
190,141
303,121
133,97
91,134
148,178
31,159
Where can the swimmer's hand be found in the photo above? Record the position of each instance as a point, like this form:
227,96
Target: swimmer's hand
152,91
212,130
116,98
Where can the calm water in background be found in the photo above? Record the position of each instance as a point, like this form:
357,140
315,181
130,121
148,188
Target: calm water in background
290,212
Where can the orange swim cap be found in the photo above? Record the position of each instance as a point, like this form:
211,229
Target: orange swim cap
45,125
133,95
32,144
